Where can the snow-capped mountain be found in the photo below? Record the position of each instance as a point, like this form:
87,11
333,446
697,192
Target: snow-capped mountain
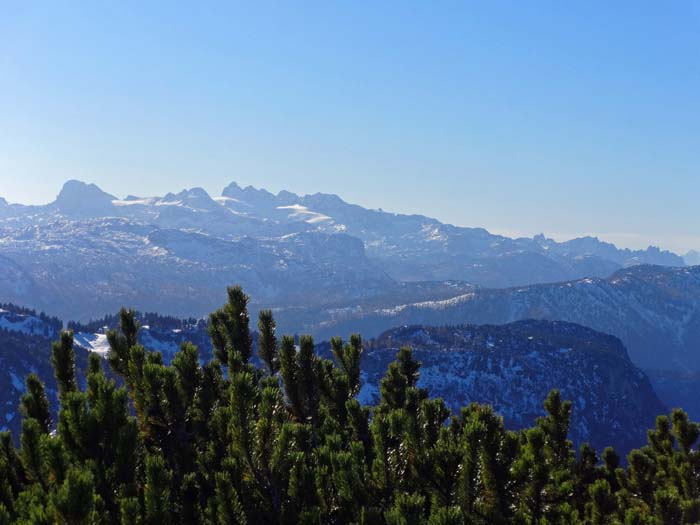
514,366
86,268
418,248
89,252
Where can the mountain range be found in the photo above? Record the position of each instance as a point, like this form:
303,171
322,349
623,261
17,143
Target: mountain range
327,267
88,253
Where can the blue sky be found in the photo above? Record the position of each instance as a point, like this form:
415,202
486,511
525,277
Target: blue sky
521,117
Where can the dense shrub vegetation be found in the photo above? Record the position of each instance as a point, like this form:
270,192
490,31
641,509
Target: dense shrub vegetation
225,442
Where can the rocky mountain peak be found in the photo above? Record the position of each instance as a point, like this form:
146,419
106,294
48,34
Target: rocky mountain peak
248,194
194,197
80,198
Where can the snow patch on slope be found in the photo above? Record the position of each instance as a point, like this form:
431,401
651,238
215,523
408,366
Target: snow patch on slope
93,343
303,213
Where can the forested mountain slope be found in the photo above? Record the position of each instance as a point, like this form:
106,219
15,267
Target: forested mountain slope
511,367
654,310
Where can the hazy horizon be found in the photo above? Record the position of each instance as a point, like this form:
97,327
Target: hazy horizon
562,119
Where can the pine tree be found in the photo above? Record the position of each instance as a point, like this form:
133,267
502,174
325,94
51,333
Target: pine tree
408,509
348,359
33,452
121,343
290,373
229,328
601,509
63,360
11,471
34,403
229,510
74,500
193,443
267,341
157,492
307,380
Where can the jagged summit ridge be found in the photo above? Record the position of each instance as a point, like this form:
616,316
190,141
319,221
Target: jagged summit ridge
394,233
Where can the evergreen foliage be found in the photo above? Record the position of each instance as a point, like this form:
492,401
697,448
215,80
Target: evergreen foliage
34,403
267,341
63,361
224,442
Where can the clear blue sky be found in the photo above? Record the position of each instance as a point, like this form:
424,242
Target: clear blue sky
517,116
